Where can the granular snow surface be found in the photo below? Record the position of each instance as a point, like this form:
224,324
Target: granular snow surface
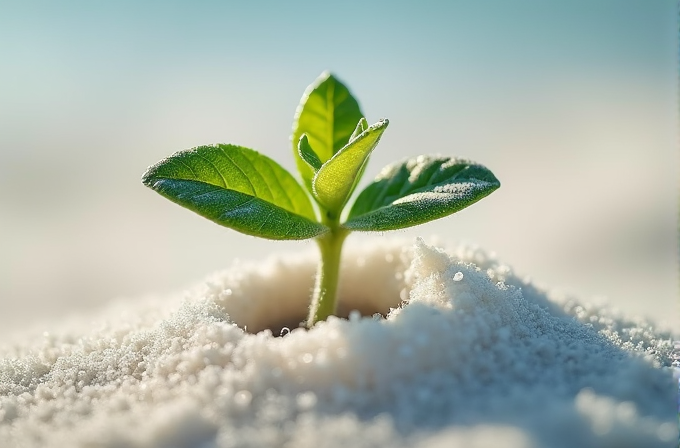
469,355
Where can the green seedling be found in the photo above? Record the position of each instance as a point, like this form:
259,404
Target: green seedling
242,189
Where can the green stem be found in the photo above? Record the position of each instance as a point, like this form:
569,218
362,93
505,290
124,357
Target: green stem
326,288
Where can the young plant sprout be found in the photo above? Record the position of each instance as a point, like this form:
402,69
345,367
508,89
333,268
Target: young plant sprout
240,188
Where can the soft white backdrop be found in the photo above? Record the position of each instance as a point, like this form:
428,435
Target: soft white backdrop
571,104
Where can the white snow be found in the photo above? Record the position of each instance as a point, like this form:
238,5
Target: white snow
469,355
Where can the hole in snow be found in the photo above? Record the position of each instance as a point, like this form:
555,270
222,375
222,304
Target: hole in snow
347,309
275,295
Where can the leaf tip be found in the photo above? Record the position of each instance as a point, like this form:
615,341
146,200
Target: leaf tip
382,123
149,176
306,152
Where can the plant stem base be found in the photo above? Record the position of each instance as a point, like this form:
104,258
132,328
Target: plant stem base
324,300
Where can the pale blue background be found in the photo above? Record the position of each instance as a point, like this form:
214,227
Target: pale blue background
571,103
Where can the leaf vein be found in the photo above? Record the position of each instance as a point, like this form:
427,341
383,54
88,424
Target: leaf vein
330,91
265,221
182,162
264,179
237,207
206,193
314,112
342,97
252,187
217,170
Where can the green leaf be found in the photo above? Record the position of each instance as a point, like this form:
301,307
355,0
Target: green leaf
336,179
419,190
362,125
307,153
238,188
328,114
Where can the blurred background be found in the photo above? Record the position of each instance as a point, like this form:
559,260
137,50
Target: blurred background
573,105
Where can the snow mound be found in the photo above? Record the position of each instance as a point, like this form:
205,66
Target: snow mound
468,355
